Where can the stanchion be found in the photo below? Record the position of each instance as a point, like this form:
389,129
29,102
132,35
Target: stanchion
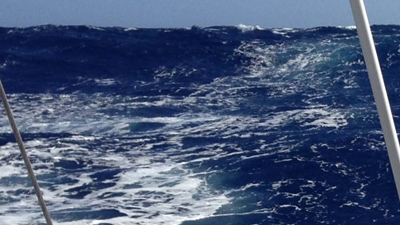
24,154
378,87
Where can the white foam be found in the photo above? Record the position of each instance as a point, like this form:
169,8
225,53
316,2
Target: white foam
246,28
95,27
348,27
130,29
173,191
105,82
9,170
262,57
284,31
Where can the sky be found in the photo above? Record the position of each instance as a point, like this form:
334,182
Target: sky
186,13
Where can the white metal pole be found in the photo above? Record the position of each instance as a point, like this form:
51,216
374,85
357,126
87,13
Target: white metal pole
378,87
24,154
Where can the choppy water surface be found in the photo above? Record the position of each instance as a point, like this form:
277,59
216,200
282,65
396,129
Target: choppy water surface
219,125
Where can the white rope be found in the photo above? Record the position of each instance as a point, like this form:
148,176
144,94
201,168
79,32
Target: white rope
378,87
24,155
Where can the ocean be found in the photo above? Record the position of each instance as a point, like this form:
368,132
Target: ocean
230,125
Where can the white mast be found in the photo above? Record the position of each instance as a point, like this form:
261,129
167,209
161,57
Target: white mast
378,87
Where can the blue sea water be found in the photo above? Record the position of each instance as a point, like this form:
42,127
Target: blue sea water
218,125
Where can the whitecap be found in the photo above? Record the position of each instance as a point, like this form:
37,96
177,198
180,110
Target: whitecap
246,28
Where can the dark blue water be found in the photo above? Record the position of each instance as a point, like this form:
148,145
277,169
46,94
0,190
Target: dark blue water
218,125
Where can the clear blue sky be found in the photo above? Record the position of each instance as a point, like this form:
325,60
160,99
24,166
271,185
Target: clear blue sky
185,13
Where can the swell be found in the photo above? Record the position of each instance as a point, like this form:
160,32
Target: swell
208,125
70,58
